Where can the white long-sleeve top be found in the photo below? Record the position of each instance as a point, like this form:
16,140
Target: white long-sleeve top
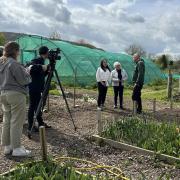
102,75
115,79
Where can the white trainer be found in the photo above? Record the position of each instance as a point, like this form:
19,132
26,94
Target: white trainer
7,150
99,108
21,152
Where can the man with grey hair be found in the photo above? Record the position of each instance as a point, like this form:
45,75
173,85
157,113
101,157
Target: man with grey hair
138,81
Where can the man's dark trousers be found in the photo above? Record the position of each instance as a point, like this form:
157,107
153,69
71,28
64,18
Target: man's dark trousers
136,96
118,91
34,99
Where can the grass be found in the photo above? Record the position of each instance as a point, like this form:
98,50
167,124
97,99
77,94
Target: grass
156,89
147,93
162,138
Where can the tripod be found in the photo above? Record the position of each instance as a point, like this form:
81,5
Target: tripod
43,99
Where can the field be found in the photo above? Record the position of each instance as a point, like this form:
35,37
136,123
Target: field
64,141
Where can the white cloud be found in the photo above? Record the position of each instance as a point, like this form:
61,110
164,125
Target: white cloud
113,25
54,9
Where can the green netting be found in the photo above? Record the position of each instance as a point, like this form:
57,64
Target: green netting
82,60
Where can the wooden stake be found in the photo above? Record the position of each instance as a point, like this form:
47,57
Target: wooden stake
134,107
116,117
99,118
43,143
48,104
75,76
171,103
154,106
170,84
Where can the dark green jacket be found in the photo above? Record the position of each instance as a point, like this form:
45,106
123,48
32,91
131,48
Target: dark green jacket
139,73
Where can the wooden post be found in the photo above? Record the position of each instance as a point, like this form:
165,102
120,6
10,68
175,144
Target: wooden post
48,106
179,85
154,106
171,102
43,143
99,118
75,76
116,117
134,108
170,84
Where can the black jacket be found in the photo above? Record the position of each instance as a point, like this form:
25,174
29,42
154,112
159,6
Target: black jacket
37,75
139,73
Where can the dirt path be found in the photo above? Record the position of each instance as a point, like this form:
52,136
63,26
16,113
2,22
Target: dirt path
63,140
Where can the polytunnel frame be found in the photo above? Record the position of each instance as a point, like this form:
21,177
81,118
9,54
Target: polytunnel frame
42,38
97,53
34,49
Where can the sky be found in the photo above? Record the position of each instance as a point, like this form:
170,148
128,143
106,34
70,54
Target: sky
112,25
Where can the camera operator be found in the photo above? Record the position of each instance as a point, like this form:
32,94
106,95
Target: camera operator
38,72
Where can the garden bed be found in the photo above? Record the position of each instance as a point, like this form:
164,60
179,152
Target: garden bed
162,138
55,170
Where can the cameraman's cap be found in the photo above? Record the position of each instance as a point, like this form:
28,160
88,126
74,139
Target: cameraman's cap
43,50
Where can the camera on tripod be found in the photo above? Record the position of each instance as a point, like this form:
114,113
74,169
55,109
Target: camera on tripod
54,55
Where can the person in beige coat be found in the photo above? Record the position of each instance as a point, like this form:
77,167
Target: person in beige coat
14,79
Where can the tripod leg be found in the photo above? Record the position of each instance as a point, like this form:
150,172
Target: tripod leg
64,96
42,100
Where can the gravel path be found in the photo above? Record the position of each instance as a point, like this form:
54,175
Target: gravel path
63,140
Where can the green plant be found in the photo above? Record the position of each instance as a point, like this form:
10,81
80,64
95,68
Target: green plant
45,171
160,137
60,170
53,85
54,92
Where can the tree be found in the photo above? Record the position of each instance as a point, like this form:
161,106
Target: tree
82,41
176,66
133,49
55,35
2,39
163,61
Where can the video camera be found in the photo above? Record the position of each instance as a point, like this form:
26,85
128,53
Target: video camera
54,55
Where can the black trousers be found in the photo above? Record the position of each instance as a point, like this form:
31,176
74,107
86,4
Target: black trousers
136,96
102,91
34,98
118,91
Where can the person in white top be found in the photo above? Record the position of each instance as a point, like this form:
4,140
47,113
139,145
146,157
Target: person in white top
103,77
118,76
